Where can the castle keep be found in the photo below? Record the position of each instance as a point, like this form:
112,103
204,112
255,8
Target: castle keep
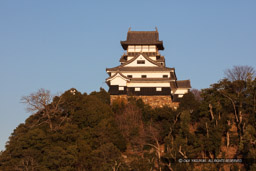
143,73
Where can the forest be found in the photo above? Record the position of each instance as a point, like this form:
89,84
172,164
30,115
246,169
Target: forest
75,131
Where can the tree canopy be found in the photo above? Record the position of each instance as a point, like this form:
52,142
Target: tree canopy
75,131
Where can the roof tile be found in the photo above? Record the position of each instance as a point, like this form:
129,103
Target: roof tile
142,38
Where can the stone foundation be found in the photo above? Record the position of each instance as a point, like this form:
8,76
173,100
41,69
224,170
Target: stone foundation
153,101
118,98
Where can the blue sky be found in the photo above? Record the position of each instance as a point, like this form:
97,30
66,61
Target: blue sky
58,45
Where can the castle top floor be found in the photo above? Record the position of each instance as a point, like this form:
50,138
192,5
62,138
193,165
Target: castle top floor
142,41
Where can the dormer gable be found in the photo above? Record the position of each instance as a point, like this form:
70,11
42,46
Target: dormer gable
118,79
141,61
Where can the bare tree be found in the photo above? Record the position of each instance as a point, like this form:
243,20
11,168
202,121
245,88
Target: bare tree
236,92
27,164
41,101
37,101
197,94
154,137
130,121
170,148
240,73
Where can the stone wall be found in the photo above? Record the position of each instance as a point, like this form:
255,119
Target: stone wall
118,98
154,101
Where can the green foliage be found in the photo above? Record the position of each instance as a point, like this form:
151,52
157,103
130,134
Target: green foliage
102,95
85,137
90,134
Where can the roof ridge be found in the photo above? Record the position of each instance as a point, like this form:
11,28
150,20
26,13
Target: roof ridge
150,68
142,38
137,31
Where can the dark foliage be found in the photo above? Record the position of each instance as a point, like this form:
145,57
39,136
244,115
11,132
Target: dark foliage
87,133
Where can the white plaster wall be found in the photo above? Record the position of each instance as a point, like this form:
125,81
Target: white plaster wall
139,48
145,48
149,74
118,81
153,58
148,84
129,58
181,91
130,48
152,48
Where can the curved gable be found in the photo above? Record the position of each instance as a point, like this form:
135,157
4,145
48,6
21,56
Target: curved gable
141,61
117,79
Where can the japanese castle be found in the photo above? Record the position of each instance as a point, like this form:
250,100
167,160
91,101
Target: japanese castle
142,73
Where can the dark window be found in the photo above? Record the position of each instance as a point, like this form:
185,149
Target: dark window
129,76
140,61
165,76
143,76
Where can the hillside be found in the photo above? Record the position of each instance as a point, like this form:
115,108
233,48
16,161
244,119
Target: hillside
77,131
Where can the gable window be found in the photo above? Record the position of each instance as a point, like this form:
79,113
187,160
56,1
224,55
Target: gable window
121,88
137,89
129,76
143,76
159,89
165,76
140,61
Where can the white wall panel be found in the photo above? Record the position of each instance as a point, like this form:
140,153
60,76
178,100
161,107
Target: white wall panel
118,81
149,74
148,84
181,91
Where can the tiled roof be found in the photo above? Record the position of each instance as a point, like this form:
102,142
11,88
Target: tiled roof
158,58
135,57
123,58
183,84
122,68
173,85
173,75
140,69
161,59
142,38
